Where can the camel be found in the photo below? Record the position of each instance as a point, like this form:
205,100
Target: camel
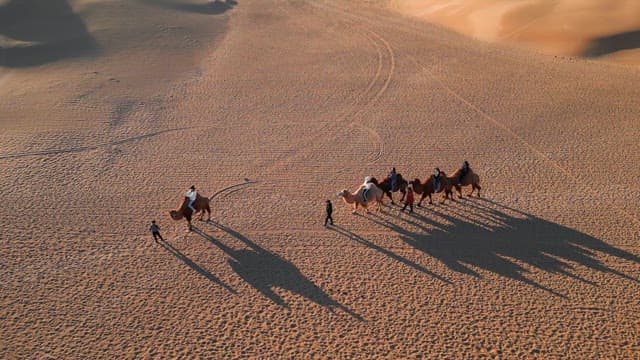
201,205
385,186
427,188
375,194
470,178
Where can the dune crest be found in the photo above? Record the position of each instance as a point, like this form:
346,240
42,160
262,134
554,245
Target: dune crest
595,29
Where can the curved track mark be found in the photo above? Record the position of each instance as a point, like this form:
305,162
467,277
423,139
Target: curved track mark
233,188
375,88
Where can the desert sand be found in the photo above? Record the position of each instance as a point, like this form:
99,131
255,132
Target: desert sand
597,29
110,110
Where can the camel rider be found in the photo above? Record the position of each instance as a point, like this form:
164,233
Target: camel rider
192,194
367,186
394,180
437,180
464,170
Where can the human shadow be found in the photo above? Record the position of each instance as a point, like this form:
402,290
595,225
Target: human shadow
610,44
359,239
486,235
216,7
42,31
264,270
187,261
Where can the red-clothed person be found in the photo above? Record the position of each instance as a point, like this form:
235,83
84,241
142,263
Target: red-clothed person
408,200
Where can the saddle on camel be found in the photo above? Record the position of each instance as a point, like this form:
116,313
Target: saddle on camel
466,177
191,205
386,186
366,194
429,187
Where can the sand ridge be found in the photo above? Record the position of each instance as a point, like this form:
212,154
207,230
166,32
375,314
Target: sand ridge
594,29
272,110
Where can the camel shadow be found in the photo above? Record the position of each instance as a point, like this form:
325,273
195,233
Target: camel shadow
264,271
216,7
610,44
492,237
199,269
40,32
359,239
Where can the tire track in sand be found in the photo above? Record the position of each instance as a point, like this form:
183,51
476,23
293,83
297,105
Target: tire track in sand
224,192
379,42
374,135
334,128
376,87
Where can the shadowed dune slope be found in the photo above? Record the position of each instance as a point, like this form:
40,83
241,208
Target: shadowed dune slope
567,27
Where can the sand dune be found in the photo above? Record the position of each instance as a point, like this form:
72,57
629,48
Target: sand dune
599,29
271,108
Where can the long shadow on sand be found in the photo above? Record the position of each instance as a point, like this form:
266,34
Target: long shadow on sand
47,31
264,270
216,7
610,44
486,235
182,257
359,239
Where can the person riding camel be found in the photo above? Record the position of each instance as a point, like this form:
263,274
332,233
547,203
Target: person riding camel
437,180
367,186
394,180
464,170
192,194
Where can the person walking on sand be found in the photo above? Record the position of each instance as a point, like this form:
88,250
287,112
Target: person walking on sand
155,230
192,194
329,212
408,200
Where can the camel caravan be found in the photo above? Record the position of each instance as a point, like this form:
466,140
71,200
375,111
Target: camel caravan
372,191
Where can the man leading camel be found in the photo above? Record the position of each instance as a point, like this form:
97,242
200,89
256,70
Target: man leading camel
192,194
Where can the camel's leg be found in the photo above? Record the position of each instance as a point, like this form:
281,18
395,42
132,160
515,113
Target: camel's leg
430,199
390,195
459,190
444,197
208,213
404,193
477,187
424,195
355,207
